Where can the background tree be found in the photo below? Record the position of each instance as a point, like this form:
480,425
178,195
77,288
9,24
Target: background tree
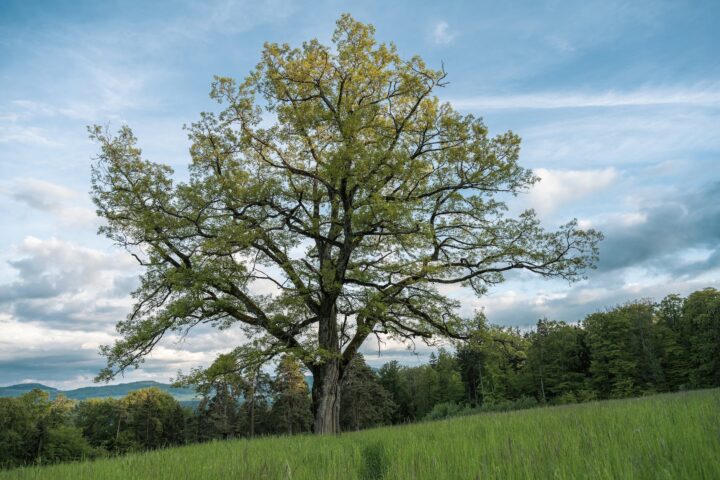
365,402
291,401
449,383
155,418
624,356
358,196
558,362
35,429
16,427
672,338
472,359
104,424
394,381
504,354
256,409
701,314
221,386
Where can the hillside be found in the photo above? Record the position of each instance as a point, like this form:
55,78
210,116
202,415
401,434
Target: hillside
660,437
100,391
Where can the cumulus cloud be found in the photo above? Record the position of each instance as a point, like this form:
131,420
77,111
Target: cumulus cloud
669,243
558,187
41,194
64,301
64,203
663,228
65,285
442,35
62,358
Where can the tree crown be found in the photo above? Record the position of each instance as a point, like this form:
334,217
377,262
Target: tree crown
331,213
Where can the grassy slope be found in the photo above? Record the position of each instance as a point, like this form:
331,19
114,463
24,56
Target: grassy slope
665,436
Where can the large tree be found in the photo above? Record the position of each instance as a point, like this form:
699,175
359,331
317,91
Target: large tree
327,201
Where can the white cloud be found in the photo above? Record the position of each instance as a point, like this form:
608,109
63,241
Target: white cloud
26,135
65,203
24,341
442,34
698,95
60,283
41,194
643,136
559,187
624,219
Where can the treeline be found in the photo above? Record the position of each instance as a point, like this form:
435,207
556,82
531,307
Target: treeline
635,349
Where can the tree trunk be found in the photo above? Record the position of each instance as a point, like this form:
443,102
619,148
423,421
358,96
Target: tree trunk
252,403
326,397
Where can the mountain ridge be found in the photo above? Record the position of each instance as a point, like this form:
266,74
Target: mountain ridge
100,391
181,394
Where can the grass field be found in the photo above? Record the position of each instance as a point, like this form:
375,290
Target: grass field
671,436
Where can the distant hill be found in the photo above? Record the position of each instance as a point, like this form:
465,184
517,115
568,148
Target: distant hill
101,391
186,396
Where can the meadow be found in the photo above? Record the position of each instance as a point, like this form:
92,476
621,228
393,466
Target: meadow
667,436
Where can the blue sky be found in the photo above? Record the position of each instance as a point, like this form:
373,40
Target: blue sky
617,102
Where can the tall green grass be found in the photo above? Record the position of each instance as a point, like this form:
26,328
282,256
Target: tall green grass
670,436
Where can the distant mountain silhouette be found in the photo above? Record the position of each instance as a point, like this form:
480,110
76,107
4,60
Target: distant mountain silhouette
101,391
186,396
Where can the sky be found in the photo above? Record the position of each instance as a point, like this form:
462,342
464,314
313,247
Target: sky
617,103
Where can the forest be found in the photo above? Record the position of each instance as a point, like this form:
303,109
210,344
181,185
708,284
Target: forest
634,349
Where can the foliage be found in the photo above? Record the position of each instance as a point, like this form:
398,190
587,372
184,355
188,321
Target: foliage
701,315
558,361
634,349
359,196
364,402
291,405
35,429
154,417
623,354
663,436
104,423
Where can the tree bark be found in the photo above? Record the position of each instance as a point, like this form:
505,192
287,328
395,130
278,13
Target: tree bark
252,404
327,374
326,398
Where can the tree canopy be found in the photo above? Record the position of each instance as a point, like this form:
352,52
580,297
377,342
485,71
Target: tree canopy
328,199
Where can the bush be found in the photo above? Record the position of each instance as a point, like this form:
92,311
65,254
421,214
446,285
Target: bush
565,398
66,443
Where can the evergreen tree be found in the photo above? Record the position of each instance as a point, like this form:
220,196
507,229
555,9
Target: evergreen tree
701,313
557,362
625,358
672,339
472,359
394,380
255,411
291,407
448,382
365,402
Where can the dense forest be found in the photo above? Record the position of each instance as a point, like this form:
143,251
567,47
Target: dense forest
633,349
